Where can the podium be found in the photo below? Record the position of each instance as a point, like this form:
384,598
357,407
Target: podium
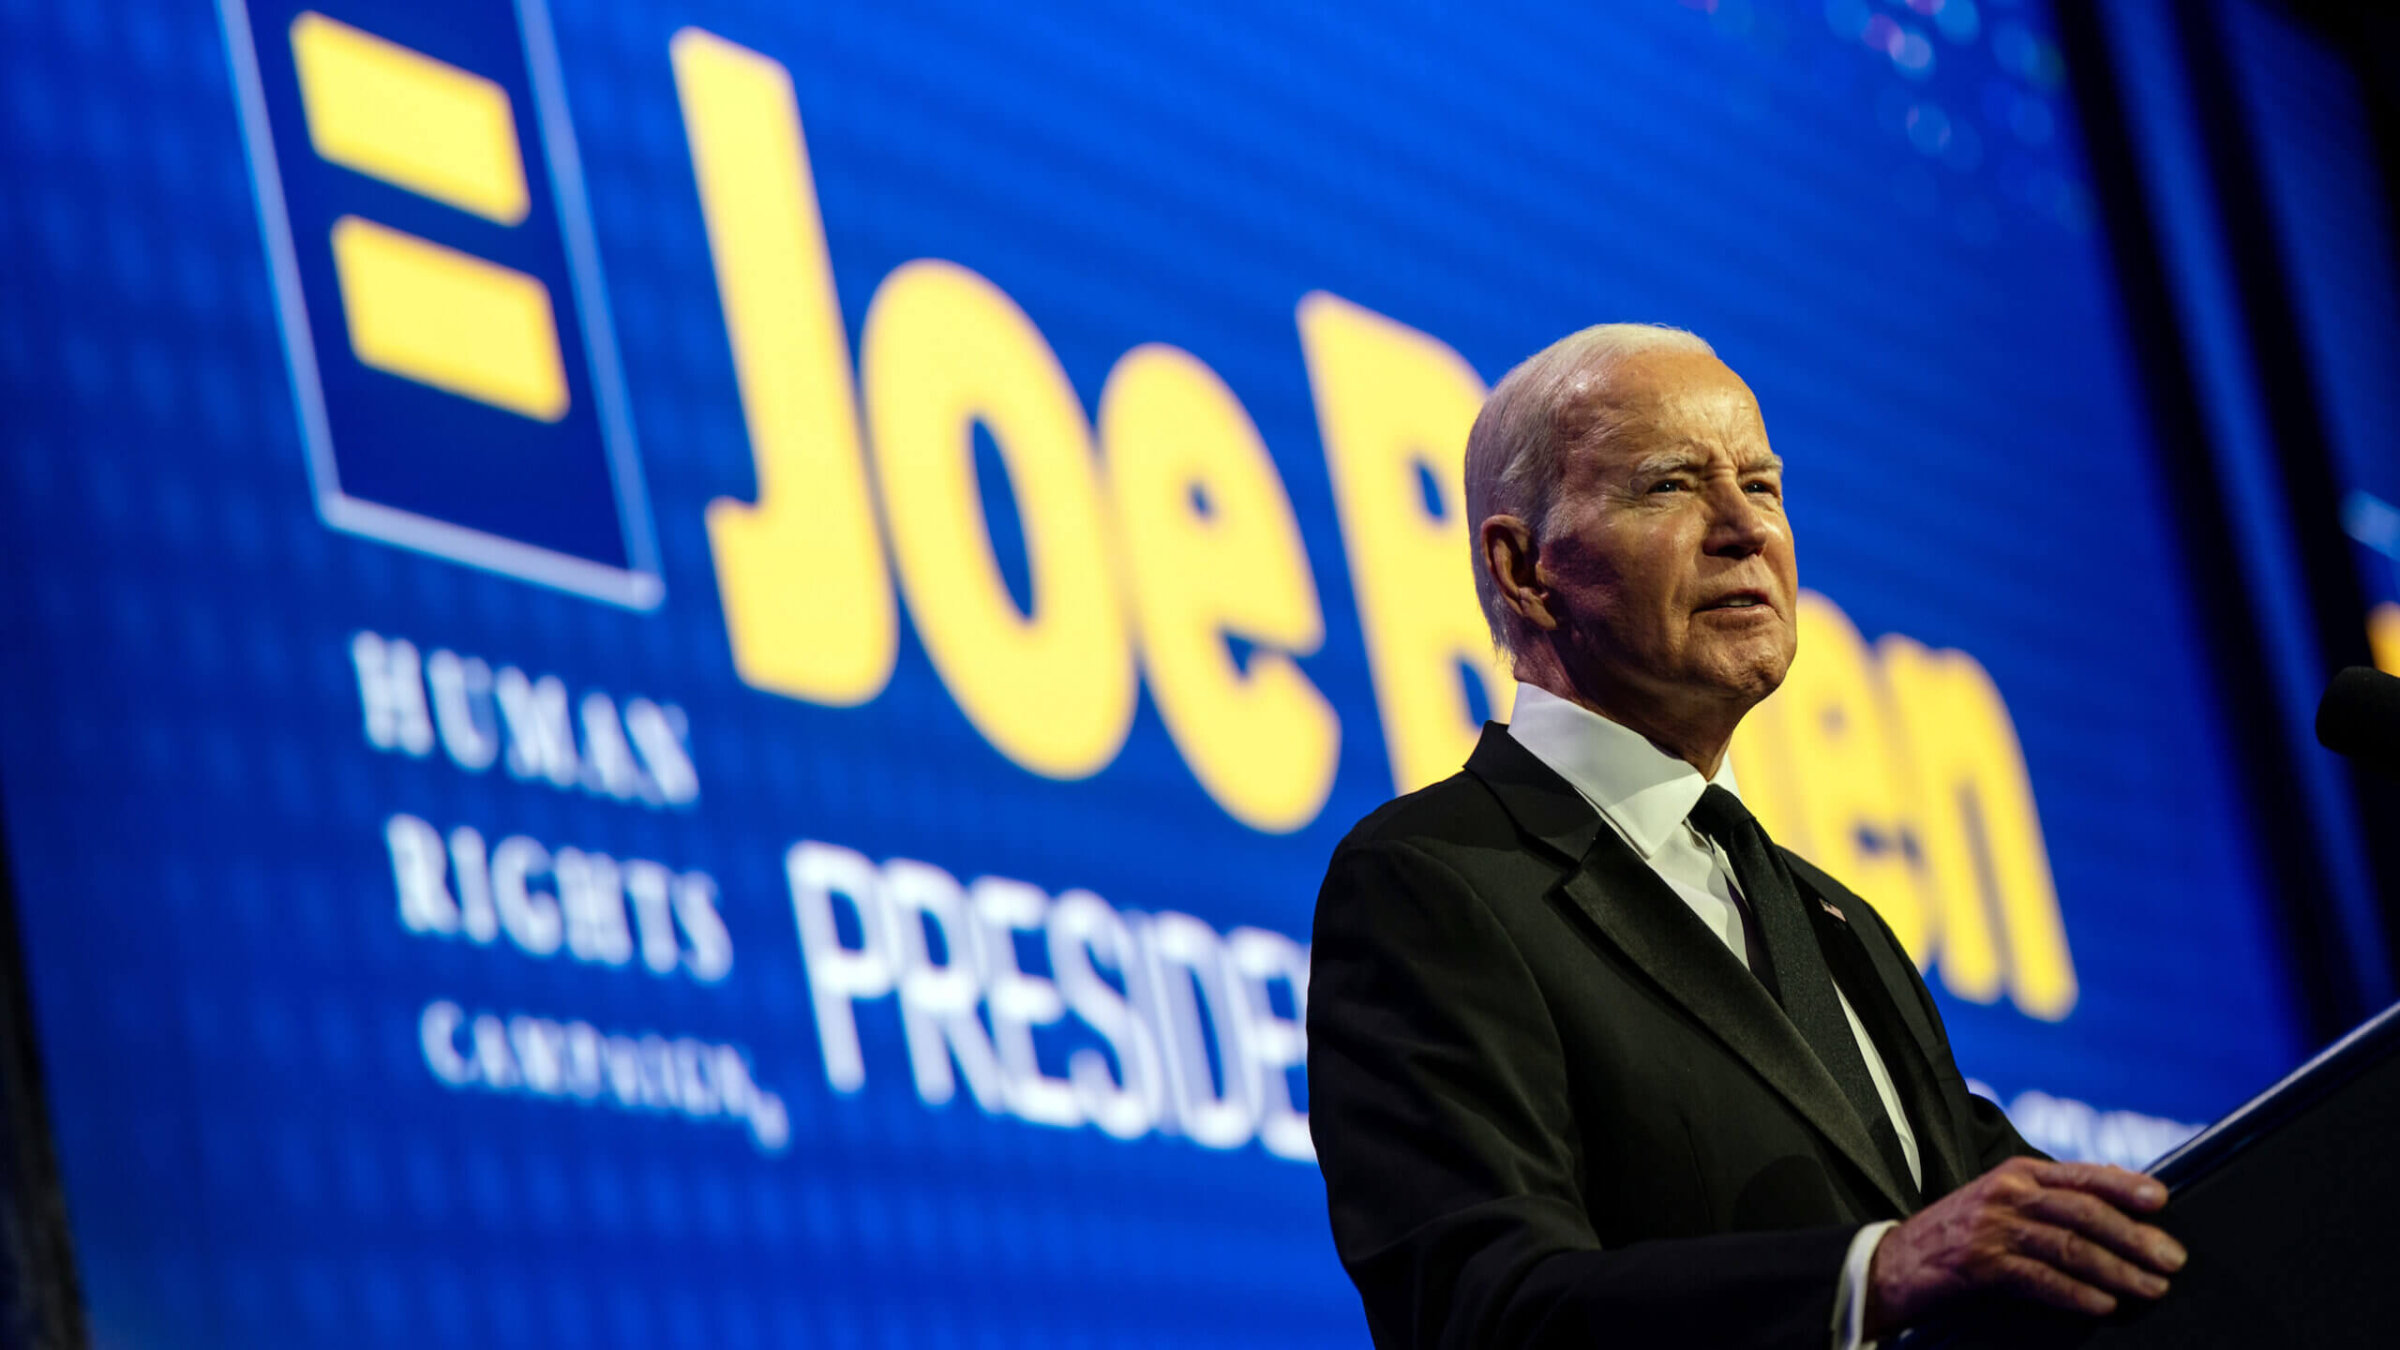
2290,1208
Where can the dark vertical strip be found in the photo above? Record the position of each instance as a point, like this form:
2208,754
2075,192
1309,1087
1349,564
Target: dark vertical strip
2189,473
2367,36
2310,475
2377,54
41,1304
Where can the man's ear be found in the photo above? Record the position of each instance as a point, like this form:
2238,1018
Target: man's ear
1510,557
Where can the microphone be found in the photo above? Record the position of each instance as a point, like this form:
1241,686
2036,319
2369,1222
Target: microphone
2360,717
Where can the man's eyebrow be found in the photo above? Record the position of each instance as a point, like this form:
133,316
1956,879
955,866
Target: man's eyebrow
1668,461
1685,460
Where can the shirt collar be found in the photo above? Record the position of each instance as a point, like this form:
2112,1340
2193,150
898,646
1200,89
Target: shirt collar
1642,791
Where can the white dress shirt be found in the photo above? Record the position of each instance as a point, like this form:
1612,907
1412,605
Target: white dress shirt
1646,795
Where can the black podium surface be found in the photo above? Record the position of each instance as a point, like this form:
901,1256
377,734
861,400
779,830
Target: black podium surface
2290,1208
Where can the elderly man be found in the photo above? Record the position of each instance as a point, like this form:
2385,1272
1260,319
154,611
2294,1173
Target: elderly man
1593,1062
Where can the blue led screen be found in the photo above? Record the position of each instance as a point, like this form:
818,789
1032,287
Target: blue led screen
880,918
2309,120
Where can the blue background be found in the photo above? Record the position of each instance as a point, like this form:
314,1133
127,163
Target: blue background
1905,264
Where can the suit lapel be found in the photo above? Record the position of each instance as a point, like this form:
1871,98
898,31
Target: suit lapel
1642,917
1883,992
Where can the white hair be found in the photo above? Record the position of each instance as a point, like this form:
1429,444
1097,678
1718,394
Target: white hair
1533,414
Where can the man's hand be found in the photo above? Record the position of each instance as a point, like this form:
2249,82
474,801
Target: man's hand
2049,1231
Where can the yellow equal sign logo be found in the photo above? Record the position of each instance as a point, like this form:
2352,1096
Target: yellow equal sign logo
417,309
438,285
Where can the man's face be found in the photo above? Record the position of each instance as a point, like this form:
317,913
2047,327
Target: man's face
1666,551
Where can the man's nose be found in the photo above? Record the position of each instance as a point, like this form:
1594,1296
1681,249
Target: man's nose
1737,527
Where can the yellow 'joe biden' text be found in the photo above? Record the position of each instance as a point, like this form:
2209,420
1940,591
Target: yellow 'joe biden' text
1160,535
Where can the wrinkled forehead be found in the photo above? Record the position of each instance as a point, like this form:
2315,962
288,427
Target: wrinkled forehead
1660,401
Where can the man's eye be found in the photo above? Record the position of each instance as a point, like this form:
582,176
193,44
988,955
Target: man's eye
1763,486
1667,485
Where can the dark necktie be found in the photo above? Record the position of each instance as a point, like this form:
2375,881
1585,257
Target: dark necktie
1797,973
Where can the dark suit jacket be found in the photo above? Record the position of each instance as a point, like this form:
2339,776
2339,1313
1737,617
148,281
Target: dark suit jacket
1553,1109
